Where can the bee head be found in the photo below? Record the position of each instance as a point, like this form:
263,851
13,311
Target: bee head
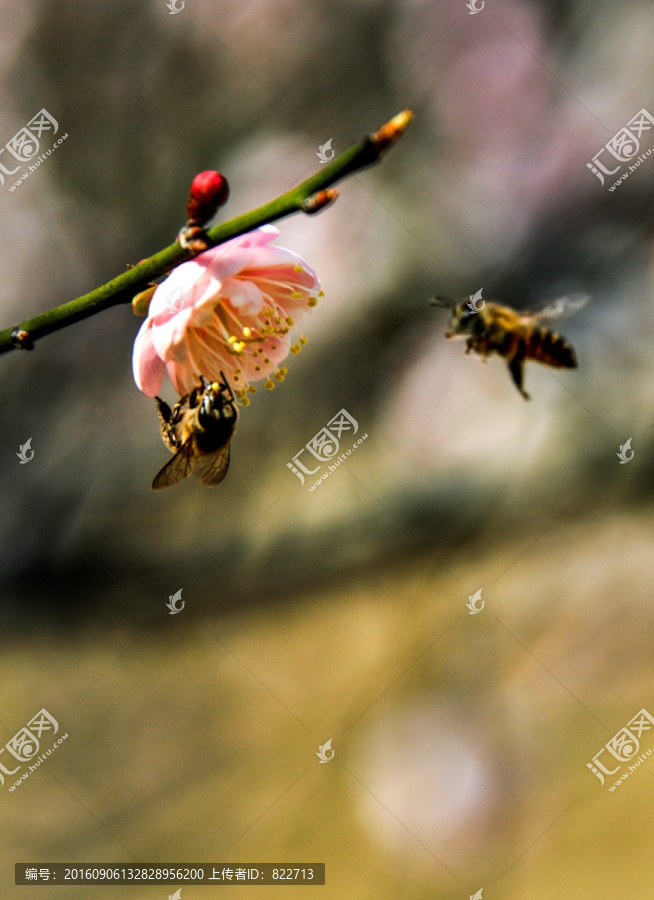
462,316
462,321
217,400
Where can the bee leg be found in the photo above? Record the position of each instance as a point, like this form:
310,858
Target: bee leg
167,417
515,368
165,412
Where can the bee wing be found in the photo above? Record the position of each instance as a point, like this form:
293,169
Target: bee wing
178,468
212,469
562,306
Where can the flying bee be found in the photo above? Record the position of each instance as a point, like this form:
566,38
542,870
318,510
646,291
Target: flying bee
515,336
198,429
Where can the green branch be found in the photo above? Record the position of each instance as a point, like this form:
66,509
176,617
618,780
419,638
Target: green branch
309,197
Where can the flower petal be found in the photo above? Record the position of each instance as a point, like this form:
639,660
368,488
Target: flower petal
147,366
181,378
169,337
260,236
243,295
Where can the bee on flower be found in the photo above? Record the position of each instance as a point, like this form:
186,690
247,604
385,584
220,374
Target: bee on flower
220,321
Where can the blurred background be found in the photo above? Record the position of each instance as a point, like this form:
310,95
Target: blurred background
460,741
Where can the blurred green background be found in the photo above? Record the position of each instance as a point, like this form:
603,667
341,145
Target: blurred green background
460,741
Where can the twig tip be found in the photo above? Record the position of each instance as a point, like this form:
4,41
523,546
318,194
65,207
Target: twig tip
392,130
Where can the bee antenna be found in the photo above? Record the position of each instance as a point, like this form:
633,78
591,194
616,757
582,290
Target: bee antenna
443,302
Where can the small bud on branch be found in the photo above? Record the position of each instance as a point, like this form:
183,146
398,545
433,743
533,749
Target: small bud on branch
141,302
209,191
319,200
21,339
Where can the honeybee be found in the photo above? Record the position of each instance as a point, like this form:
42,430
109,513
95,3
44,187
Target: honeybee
515,336
198,429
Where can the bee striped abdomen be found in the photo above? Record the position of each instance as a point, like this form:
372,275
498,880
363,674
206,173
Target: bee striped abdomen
551,349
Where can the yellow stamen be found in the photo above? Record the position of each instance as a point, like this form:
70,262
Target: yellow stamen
247,332
279,376
295,348
231,339
296,295
298,269
268,384
321,293
303,340
289,320
245,401
312,301
252,389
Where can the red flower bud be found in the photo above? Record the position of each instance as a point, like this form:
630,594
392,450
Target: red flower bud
209,190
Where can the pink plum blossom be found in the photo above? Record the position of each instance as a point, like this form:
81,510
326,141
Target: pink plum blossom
233,309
